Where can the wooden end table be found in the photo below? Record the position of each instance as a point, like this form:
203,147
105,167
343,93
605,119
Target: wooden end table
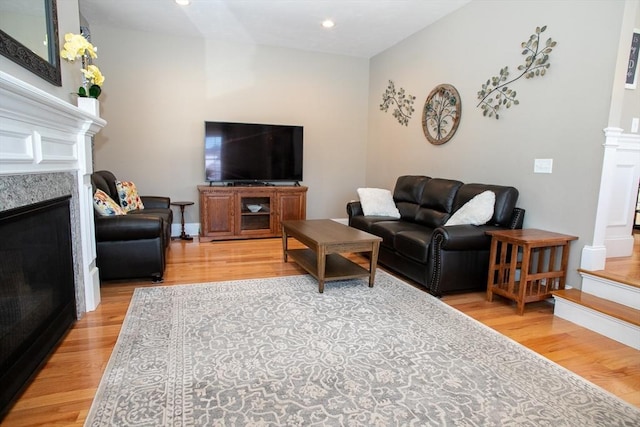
325,240
539,257
183,234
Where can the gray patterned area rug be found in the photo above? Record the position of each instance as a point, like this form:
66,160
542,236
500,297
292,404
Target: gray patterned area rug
275,352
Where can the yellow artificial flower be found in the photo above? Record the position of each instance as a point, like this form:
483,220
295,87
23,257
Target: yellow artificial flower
93,75
76,46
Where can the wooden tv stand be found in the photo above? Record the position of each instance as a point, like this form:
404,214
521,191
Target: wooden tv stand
225,214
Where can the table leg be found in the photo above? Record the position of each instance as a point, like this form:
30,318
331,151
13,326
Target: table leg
373,262
493,253
322,264
183,235
524,277
284,245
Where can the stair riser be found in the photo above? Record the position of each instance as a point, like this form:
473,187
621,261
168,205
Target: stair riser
611,290
610,327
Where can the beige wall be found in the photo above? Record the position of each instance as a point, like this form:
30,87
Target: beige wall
560,116
160,90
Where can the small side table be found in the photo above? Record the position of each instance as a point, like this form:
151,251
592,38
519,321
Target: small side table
183,235
539,257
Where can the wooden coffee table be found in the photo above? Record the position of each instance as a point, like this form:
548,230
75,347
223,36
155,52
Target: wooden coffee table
325,240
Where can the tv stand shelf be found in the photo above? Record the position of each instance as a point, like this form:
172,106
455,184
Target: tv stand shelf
246,212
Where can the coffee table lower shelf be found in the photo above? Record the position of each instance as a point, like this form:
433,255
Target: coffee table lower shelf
337,267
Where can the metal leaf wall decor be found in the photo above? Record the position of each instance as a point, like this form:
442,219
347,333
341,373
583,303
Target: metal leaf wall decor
496,94
403,103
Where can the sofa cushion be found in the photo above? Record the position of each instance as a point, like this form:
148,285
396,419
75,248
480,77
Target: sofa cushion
506,198
364,223
414,244
377,202
388,230
105,205
408,194
437,200
128,195
476,211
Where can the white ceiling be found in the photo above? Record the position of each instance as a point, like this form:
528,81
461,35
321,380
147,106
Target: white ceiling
363,28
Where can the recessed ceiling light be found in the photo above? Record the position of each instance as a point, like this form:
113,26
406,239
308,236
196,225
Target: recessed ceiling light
328,23
183,2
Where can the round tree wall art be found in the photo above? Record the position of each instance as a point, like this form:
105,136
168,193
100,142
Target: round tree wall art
441,114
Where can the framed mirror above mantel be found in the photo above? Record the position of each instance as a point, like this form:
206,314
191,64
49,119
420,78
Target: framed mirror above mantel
29,36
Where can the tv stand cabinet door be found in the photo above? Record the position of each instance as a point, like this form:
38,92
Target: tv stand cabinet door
292,205
216,215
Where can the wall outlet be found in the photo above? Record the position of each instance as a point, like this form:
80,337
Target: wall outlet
634,124
542,165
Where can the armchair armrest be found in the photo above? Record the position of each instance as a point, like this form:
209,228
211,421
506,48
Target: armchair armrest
156,202
123,227
354,208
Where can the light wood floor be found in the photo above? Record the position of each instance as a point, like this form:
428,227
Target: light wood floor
62,392
626,269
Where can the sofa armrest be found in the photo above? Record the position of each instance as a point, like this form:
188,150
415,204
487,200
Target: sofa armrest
354,208
156,202
472,237
517,219
123,227
463,237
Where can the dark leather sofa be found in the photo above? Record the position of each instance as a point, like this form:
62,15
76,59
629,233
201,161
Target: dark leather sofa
132,245
443,259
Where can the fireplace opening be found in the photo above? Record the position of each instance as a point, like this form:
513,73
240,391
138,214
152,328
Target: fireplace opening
37,292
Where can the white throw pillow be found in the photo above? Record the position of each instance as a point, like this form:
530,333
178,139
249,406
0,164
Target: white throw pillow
377,202
476,211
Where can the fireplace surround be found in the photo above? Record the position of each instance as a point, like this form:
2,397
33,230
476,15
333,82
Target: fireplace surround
46,152
45,156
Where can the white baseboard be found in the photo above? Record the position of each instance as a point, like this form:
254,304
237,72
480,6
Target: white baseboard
593,257
192,229
344,221
619,246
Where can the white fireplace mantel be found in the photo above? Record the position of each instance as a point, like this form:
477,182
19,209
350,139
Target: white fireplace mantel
40,133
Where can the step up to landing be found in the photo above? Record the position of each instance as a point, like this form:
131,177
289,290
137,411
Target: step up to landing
611,287
611,319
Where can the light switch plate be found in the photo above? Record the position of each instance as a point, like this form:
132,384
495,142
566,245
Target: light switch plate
634,124
542,165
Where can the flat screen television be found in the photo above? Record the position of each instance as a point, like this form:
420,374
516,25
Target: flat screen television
252,152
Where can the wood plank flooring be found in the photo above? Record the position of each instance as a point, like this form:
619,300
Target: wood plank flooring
62,392
624,269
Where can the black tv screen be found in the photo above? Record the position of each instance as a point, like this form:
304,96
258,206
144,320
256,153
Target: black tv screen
252,152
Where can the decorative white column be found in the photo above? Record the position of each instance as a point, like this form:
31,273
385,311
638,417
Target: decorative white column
620,171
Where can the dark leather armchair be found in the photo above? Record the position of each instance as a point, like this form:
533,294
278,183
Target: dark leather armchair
133,245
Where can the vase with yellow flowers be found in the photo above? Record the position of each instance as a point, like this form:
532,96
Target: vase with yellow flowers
76,46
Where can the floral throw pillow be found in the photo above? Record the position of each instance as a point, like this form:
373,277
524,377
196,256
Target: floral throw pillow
129,198
105,205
